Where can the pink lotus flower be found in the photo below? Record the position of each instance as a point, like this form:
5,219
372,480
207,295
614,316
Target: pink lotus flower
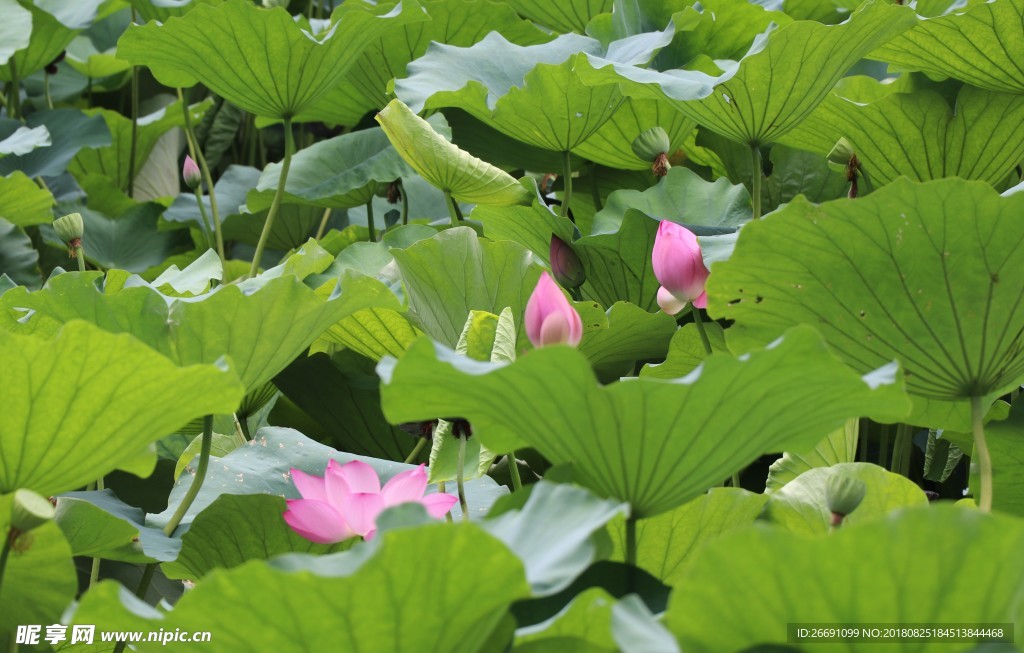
190,173
550,318
347,500
679,267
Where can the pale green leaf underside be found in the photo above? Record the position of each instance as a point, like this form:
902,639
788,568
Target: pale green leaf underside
82,402
15,29
927,274
839,446
786,73
935,568
917,135
982,45
259,60
48,38
654,443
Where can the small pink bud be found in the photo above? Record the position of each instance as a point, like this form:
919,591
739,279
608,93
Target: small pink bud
190,173
565,265
550,318
679,266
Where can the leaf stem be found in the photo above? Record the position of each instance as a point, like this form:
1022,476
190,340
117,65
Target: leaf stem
566,183
984,457
80,257
135,130
595,191
275,206
205,219
883,448
5,551
453,208
901,450
46,90
513,470
700,329
631,552
460,474
94,572
448,515
323,224
369,221
14,105
757,175
405,205
197,482
415,451
197,154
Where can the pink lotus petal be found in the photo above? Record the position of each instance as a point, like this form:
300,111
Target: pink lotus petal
439,504
702,300
677,261
316,521
405,487
360,477
668,302
190,173
335,486
361,510
309,486
547,305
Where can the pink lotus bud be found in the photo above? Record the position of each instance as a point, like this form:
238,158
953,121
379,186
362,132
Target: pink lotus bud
565,265
190,173
679,266
550,318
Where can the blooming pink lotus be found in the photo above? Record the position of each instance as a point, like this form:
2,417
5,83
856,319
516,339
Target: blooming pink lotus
347,499
190,173
679,268
550,318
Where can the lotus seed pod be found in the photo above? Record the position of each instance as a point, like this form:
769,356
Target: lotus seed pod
843,493
651,143
840,155
30,511
69,227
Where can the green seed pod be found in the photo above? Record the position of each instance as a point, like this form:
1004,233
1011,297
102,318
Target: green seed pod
29,511
840,155
70,227
843,493
651,143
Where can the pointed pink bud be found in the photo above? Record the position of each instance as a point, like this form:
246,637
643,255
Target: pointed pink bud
190,173
678,264
565,265
550,318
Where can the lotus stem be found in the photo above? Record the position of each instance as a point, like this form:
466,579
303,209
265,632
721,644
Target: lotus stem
700,329
207,229
448,515
80,257
984,457
595,191
140,591
46,91
757,175
566,183
94,572
275,206
197,155
883,449
453,208
405,206
369,221
135,129
5,551
14,105
735,480
631,553
901,450
460,474
513,470
323,224
862,443
197,483
415,451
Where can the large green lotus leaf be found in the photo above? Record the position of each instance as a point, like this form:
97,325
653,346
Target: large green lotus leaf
800,505
654,443
978,45
839,446
48,39
487,143
58,436
532,93
785,74
566,16
24,203
340,392
259,60
129,242
682,196
456,272
444,165
70,130
40,581
86,58
618,265
113,161
19,260
98,524
926,274
388,602
15,30
235,529
631,334
686,351
374,333
530,226
918,135
935,568
611,144
262,326
666,544
340,172
161,10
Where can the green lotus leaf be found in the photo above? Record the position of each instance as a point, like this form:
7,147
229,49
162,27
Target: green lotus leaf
19,260
161,10
919,136
531,93
847,578
686,352
49,37
98,524
948,46
488,276
783,76
15,30
261,326
667,543
567,16
444,165
70,130
1004,427
839,446
40,581
631,334
926,274
654,443
610,144
216,45
584,626
122,396
23,202
800,505
382,599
